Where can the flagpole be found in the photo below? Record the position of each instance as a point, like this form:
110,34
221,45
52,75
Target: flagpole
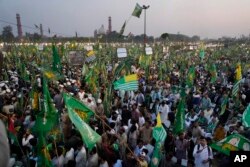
145,8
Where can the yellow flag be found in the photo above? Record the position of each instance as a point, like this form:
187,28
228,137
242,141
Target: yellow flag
238,72
158,119
90,53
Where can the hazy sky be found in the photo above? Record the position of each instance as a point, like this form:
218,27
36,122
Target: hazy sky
206,18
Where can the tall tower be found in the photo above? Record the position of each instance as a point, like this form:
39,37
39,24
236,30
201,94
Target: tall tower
19,26
41,30
110,25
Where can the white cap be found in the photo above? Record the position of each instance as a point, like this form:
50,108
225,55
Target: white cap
2,84
99,101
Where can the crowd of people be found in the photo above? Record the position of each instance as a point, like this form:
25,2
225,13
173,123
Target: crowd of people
126,128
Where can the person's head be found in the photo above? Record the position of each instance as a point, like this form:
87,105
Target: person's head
59,151
134,106
27,131
147,124
79,144
203,141
181,136
140,143
202,114
196,124
121,131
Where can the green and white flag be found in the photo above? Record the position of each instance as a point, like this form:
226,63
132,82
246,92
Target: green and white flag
129,82
246,117
159,133
89,136
234,142
137,11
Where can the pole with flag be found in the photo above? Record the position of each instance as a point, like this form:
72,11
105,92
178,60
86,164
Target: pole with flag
159,134
137,11
129,82
122,29
89,136
238,78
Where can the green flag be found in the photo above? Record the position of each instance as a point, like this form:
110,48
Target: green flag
123,28
246,117
57,66
81,109
159,133
213,73
224,105
156,158
48,118
90,137
179,123
234,142
13,138
23,71
191,76
44,158
202,54
137,11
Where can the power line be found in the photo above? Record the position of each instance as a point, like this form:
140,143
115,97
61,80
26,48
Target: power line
29,27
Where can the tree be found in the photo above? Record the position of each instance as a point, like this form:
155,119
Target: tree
7,34
36,37
164,36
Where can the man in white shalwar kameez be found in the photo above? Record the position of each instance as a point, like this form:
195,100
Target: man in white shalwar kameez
202,154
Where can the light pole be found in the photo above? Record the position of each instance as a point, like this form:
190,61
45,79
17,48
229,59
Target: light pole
145,8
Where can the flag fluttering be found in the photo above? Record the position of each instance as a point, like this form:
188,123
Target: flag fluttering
213,72
159,134
89,136
57,66
191,76
137,11
234,142
238,78
81,109
129,82
123,28
179,123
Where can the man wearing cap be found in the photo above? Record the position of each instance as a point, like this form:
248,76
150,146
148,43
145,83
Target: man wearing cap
99,108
